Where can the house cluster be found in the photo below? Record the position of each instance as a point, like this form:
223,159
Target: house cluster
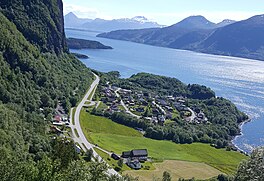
199,116
110,99
135,101
134,158
59,120
153,108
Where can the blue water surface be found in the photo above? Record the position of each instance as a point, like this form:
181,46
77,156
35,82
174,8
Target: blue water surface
240,80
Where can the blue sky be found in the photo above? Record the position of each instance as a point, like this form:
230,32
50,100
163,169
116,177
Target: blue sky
165,12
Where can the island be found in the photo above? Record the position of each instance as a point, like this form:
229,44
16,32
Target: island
74,43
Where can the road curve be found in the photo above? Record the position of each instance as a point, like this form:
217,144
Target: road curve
82,139
125,107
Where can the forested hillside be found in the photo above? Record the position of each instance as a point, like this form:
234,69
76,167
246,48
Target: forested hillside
36,73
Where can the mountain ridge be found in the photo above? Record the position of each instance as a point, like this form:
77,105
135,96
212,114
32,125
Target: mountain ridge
196,34
137,22
166,36
195,22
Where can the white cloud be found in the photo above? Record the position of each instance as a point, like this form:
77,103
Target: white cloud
84,12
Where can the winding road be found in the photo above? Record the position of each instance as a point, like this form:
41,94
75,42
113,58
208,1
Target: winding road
76,127
125,107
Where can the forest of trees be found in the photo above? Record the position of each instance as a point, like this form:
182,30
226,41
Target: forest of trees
34,75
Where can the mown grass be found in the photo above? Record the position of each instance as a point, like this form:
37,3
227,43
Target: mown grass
225,161
97,124
118,138
177,169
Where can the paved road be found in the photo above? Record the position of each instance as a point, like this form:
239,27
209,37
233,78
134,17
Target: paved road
83,142
192,117
159,107
125,107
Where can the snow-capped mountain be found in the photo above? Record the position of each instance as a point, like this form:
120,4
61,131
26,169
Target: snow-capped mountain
225,23
138,22
141,19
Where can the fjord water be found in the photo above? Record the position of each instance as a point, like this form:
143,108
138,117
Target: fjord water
240,80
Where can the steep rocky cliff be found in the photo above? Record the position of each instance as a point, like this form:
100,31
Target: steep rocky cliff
40,21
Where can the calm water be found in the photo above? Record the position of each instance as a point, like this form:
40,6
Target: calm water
240,80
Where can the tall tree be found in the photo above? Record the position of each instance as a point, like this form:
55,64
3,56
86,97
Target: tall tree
166,176
252,169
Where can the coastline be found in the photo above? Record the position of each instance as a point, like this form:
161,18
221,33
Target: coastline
241,134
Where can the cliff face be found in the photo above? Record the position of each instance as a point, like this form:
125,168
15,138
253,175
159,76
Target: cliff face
40,21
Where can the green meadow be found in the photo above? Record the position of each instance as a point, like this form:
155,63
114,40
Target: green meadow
117,138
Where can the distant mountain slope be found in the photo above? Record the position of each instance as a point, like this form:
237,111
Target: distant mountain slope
138,22
72,21
167,36
195,22
242,39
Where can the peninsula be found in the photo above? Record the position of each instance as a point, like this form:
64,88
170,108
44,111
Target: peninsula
74,43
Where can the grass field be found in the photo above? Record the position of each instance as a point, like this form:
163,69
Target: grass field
97,124
117,138
166,150
177,169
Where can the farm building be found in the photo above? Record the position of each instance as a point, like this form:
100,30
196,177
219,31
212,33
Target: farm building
140,154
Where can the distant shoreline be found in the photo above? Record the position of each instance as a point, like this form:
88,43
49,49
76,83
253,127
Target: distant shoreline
78,29
78,44
80,56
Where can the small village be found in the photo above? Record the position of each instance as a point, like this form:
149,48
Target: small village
153,108
141,105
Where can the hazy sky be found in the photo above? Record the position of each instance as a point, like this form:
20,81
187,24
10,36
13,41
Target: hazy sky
165,12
